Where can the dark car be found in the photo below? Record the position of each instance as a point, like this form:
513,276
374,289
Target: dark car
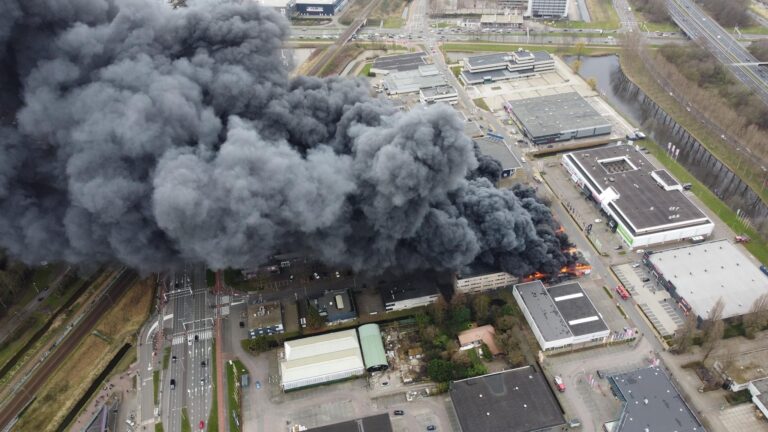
202,363
431,427
645,279
399,412
242,324
173,359
173,384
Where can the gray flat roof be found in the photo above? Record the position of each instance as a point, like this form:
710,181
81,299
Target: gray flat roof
550,323
761,386
413,80
439,90
703,273
495,74
550,115
652,403
407,287
577,309
375,423
487,59
400,62
666,177
498,150
643,204
515,400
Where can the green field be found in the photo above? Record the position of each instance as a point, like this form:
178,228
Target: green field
366,71
156,384
213,416
186,426
551,48
166,357
480,103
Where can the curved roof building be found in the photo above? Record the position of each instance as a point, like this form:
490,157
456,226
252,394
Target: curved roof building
374,356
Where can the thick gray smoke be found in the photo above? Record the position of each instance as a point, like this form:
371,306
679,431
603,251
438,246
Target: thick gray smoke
152,136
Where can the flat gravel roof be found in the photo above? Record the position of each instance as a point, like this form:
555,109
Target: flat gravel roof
400,62
577,309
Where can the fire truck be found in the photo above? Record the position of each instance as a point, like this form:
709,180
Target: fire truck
623,293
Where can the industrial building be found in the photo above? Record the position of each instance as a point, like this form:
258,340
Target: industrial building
407,293
264,319
560,316
488,68
499,150
374,423
558,117
478,278
373,347
508,21
411,81
335,306
320,359
514,400
697,276
444,93
651,403
385,65
319,7
547,8
644,205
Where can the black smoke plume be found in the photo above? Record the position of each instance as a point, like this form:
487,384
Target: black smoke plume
152,136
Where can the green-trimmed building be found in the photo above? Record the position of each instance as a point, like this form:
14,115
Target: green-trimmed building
374,356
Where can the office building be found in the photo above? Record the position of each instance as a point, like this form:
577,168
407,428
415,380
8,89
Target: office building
319,7
489,68
444,93
547,8
411,81
478,278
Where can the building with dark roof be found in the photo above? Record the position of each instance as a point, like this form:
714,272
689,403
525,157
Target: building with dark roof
336,306
408,292
488,68
558,117
515,400
319,7
644,205
398,63
375,423
651,403
560,316
499,150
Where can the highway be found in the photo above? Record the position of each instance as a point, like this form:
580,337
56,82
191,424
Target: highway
30,388
708,33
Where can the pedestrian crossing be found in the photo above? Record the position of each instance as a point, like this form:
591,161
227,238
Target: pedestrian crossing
204,334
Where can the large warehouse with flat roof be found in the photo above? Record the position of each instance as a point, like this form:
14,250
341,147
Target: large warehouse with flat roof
514,400
559,117
560,316
499,150
644,205
698,275
320,359
398,63
651,403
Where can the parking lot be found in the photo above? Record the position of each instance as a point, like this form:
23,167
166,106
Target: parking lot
655,302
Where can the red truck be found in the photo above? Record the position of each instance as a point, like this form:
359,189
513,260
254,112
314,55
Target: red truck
623,293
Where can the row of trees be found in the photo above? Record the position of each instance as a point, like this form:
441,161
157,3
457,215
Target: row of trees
654,10
13,276
759,49
713,328
729,13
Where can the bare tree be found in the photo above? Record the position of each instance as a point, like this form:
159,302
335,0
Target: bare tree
684,335
713,328
757,318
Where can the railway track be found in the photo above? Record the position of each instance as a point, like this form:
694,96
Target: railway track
332,51
28,390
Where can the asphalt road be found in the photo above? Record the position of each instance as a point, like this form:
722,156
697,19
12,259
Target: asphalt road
707,32
192,316
29,390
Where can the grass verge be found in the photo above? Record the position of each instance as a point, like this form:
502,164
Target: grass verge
607,291
366,71
159,427
156,384
550,48
602,13
186,426
235,369
213,416
480,103
166,357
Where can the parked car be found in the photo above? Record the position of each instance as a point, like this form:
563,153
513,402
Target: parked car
574,423
399,412
431,427
646,279
559,383
173,359
258,385
242,324
173,384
